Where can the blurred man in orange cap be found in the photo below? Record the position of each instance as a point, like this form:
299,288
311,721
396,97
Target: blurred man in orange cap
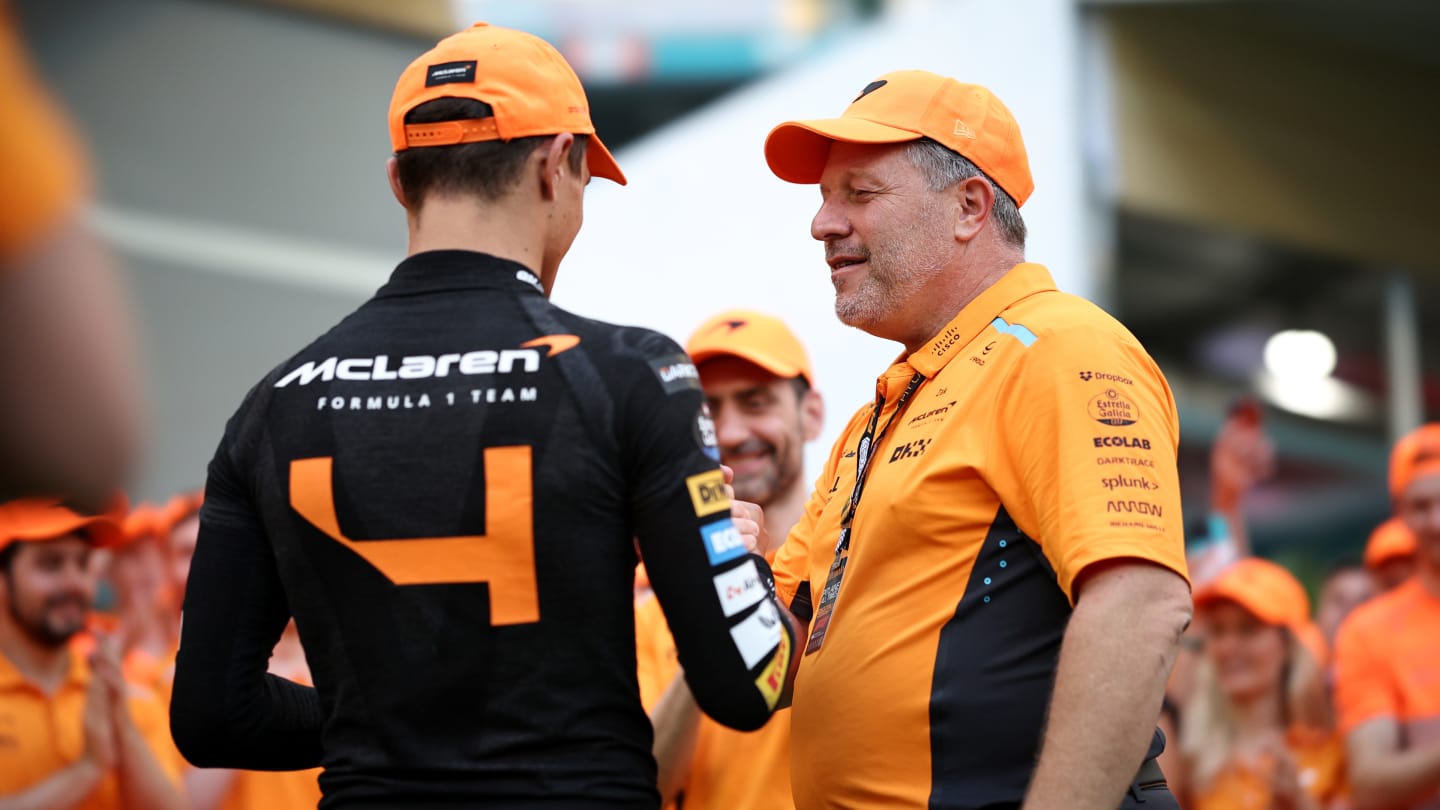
69,384
1256,730
1387,675
146,605
1390,552
1000,530
763,409
74,735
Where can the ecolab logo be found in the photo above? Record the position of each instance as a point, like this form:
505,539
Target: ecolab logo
425,366
1122,441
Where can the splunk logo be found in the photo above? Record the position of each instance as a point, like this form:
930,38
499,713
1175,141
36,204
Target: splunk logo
524,360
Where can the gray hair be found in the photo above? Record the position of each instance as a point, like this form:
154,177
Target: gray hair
944,168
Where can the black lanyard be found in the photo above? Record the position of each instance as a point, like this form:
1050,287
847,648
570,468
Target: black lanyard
869,442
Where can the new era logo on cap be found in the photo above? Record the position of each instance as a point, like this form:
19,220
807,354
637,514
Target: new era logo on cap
451,73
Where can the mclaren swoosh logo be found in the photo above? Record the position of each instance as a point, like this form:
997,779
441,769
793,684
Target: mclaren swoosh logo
556,343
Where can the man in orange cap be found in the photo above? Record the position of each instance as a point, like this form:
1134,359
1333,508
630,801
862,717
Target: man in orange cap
758,388
1387,670
1012,487
72,733
445,490
1390,552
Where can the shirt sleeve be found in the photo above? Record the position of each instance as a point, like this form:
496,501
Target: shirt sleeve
1090,436
731,639
226,710
1364,689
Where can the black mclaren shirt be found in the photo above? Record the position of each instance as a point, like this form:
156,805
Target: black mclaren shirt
445,492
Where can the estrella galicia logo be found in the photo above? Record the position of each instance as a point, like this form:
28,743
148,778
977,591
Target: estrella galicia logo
1111,408
870,88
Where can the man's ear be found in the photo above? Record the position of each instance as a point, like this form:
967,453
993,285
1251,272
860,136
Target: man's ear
392,173
974,200
812,415
554,163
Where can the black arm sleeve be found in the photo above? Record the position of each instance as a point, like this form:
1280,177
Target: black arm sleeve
227,712
730,637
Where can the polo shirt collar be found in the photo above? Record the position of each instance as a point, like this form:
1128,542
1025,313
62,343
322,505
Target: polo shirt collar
443,270
11,676
1021,281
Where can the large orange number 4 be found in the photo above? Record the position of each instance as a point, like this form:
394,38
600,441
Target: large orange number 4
503,557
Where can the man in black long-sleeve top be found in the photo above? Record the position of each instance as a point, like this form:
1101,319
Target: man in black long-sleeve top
444,491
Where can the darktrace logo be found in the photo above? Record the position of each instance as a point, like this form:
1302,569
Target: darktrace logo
870,88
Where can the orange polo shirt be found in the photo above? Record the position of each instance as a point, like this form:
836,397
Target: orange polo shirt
1387,664
1319,768
731,769
40,159
41,735
1041,440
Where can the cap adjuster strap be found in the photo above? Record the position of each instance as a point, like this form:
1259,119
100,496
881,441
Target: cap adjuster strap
448,133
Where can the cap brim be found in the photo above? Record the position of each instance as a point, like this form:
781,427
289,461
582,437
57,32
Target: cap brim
1227,592
797,150
777,367
101,531
601,162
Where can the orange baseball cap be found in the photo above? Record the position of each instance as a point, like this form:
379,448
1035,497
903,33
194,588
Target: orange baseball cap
39,519
905,106
145,521
1261,587
528,84
1416,454
1390,540
182,506
753,336
1271,593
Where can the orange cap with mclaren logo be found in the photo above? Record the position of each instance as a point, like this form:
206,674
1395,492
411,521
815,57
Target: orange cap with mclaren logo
39,519
1271,593
905,106
529,85
754,336
1390,540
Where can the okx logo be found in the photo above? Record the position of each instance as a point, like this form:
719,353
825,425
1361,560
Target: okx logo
913,449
